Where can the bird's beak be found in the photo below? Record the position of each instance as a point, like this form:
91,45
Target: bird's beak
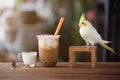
79,24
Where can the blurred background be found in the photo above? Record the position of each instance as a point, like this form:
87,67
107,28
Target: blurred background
22,20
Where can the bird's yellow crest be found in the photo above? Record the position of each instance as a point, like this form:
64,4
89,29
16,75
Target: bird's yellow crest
82,18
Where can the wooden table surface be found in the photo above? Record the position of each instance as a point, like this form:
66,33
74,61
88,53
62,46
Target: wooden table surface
62,71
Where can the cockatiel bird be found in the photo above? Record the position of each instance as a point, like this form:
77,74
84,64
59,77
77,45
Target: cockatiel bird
90,35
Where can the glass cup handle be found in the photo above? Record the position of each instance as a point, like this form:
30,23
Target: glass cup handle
19,57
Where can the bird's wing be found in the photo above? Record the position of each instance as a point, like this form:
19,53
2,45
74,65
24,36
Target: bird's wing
94,34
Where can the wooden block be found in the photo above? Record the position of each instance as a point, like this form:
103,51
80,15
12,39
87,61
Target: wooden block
74,49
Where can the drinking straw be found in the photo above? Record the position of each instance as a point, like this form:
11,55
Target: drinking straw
59,26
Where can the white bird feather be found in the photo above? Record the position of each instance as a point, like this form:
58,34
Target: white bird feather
90,34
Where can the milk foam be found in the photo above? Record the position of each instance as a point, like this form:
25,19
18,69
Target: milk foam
48,41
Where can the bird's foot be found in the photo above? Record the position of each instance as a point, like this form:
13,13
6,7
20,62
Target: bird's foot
88,47
92,46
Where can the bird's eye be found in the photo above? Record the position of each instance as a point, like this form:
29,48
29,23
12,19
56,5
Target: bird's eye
82,22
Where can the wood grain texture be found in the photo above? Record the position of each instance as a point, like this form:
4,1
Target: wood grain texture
81,71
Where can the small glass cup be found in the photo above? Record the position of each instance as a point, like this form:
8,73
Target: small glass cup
29,58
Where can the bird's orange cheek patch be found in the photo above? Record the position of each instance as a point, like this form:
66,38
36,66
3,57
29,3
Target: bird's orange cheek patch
84,25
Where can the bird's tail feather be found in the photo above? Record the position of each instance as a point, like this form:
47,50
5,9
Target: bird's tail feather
106,47
103,41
